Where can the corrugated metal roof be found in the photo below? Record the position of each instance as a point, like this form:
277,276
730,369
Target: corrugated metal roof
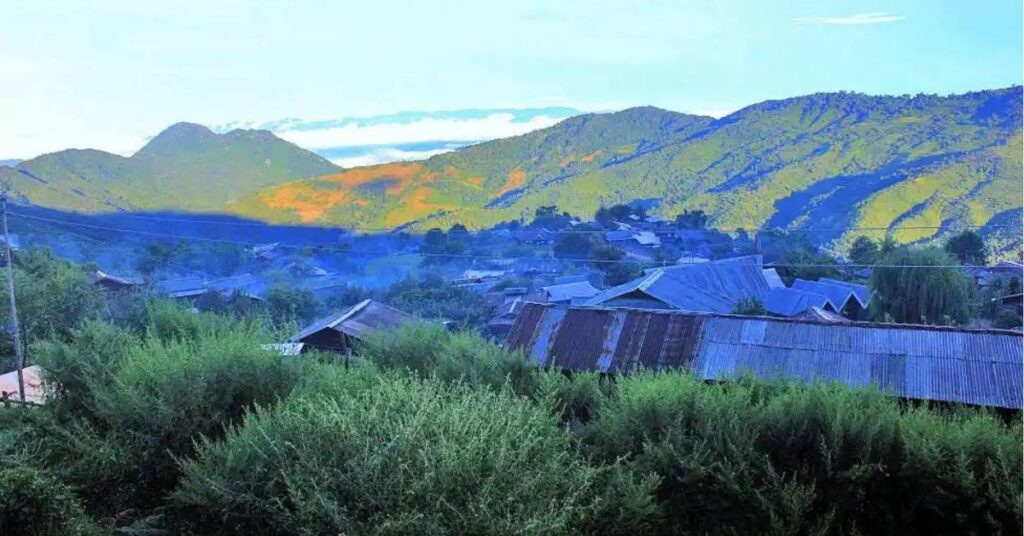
860,291
568,291
713,287
618,236
772,278
839,295
982,367
358,320
793,302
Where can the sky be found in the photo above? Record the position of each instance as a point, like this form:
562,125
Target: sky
419,77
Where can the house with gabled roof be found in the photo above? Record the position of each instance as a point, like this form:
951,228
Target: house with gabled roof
338,332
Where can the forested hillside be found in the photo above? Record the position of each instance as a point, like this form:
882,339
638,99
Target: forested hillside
831,160
185,167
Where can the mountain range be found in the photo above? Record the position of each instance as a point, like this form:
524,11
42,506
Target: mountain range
185,167
824,163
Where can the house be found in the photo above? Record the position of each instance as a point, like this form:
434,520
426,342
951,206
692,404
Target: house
576,278
532,235
266,252
569,292
472,275
325,287
1012,303
647,239
822,315
977,367
791,302
111,283
618,236
183,288
691,258
338,331
15,241
715,286
247,285
773,279
847,300
31,376
502,322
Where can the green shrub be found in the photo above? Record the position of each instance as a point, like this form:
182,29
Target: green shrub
126,408
575,398
430,350
34,504
404,457
751,457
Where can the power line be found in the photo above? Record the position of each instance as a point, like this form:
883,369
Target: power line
568,231
330,247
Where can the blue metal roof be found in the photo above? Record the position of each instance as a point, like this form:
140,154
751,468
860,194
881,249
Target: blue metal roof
618,236
839,295
792,302
982,367
862,292
181,287
568,291
713,287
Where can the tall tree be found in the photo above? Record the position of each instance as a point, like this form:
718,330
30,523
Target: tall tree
920,288
968,247
864,251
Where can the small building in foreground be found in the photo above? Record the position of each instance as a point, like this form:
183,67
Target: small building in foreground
944,364
33,385
338,332
110,283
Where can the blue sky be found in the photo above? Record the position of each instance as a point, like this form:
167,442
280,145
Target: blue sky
108,74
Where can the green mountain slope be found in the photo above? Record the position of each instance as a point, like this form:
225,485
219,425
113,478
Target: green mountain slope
185,167
825,161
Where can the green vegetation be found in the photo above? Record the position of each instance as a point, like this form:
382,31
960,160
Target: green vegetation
187,427
907,290
968,247
185,167
826,161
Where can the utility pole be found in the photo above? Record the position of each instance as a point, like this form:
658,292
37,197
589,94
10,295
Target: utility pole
9,260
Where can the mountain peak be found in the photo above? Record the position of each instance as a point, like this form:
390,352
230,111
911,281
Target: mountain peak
177,137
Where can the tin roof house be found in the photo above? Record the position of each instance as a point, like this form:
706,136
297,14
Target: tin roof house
569,292
978,367
339,331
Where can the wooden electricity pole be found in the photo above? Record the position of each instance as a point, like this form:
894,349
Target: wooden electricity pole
15,331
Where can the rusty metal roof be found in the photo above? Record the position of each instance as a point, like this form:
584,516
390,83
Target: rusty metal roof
982,367
358,320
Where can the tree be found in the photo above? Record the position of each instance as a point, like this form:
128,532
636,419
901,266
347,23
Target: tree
910,293
608,259
573,245
968,247
692,220
287,304
864,251
806,263
750,305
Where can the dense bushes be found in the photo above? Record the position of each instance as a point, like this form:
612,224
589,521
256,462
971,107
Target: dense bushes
747,457
32,503
190,428
123,409
403,457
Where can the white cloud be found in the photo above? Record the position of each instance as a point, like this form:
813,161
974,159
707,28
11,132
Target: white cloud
384,155
354,134
861,18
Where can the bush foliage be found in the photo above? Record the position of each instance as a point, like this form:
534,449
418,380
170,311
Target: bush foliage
188,427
